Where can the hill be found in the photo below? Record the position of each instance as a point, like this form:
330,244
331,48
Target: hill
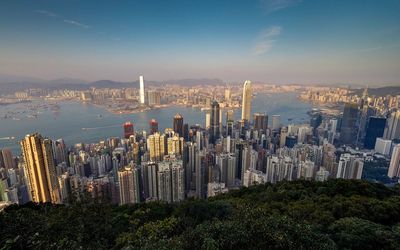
9,85
382,91
337,214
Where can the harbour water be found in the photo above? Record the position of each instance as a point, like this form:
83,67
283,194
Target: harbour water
68,122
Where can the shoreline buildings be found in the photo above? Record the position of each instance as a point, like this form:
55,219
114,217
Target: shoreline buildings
190,160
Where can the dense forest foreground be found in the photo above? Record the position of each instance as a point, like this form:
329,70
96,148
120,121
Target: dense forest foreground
337,214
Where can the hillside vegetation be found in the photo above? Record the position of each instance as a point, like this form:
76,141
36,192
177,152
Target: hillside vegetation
337,214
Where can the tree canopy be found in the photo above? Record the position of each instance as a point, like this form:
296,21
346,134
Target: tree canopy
337,214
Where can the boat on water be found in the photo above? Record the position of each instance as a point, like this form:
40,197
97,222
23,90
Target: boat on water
55,107
7,138
34,116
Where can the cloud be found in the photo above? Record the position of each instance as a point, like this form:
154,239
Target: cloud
81,25
68,21
369,49
276,5
377,48
47,13
265,40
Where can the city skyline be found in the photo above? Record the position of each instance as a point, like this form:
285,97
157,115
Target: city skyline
230,124
185,161
291,41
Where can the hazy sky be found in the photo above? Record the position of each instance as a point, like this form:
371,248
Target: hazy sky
296,41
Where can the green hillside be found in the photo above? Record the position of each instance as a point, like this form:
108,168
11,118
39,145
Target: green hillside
336,214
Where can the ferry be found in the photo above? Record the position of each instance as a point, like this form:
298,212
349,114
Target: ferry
7,138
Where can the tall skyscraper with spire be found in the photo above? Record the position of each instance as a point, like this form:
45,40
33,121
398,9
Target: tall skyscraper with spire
246,101
41,171
214,122
141,93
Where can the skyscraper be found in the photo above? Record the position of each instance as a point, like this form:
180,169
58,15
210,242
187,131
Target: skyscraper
153,126
276,122
383,146
214,122
350,167
178,124
156,144
150,188
175,145
186,131
7,159
315,121
129,185
200,167
40,169
392,130
394,167
141,93
226,163
178,181
153,97
128,129
375,129
365,113
230,115
171,181
246,101
60,151
208,120
260,121
348,130
228,94
1,160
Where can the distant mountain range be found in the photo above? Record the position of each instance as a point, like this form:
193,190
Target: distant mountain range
10,84
26,79
382,91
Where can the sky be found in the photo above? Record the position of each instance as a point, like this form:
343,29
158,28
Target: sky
273,41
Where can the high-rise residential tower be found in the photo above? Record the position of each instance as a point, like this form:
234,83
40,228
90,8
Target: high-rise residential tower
141,93
260,121
129,185
392,130
394,167
246,101
7,159
156,145
40,168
